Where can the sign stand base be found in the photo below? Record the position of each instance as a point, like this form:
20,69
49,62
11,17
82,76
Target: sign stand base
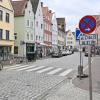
80,72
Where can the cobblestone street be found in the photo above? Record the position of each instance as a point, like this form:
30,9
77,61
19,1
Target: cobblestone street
25,86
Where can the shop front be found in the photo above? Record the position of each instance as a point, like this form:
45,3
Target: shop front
5,51
30,51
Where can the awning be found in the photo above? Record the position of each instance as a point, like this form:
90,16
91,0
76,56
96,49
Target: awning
42,44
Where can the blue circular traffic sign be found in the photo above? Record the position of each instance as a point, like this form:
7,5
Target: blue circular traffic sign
87,24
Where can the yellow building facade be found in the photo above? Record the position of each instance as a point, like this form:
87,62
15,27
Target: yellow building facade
70,40
6,29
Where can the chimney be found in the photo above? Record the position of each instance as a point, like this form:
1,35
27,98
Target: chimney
50,11
41,4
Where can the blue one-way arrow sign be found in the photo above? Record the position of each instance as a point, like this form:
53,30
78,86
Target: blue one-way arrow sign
77,34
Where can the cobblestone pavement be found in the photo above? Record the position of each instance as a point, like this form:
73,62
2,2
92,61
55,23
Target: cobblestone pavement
68,91
25,86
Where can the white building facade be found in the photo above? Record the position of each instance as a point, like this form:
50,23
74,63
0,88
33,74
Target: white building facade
38,26
24,29
54,33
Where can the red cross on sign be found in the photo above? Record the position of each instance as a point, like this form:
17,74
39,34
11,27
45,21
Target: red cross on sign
87,24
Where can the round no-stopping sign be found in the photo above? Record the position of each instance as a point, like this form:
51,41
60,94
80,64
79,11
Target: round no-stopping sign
87,24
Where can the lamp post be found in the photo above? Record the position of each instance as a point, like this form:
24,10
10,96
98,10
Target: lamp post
22,43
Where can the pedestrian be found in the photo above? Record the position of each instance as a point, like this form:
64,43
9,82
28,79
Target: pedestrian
35,55
41,53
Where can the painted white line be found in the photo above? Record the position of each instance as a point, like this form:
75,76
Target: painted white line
44,70
18,67
65,72
55,71
33,69
13,66
26,68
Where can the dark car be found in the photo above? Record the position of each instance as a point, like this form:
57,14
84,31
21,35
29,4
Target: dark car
97,50
86,54
57,54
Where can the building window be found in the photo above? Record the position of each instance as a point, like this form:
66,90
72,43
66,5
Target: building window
27,36
39,37
1,15
7,35
27,22
1,32
37,23
16,50
69,34
7,17
36,37
41,26
31,36
29,12
31,24
15,35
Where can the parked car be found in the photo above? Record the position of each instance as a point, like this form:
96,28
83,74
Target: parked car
76,49
57,54
97,50
68,52
64,52
86,54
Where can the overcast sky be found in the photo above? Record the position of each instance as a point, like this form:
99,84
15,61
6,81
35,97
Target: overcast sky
73,10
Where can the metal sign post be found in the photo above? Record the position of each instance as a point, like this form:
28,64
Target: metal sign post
87,25
80,66
90,74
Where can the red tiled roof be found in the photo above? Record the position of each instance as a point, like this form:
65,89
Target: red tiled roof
19,7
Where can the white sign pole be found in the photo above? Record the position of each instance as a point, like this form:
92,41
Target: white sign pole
90,73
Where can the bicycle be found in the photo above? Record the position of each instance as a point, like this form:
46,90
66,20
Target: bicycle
1,65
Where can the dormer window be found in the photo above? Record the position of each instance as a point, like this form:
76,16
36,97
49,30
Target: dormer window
29,11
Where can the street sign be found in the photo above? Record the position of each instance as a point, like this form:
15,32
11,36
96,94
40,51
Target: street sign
87,24
77,34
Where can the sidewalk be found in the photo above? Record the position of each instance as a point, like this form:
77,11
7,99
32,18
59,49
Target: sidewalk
70,92
84,83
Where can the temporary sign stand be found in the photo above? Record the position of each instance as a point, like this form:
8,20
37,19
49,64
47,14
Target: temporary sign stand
87,25
80,67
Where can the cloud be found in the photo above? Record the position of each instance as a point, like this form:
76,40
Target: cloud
73,10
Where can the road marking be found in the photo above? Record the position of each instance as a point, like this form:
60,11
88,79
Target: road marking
55,71
13,66
65,72
33,69
26,68
18,67
44,70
